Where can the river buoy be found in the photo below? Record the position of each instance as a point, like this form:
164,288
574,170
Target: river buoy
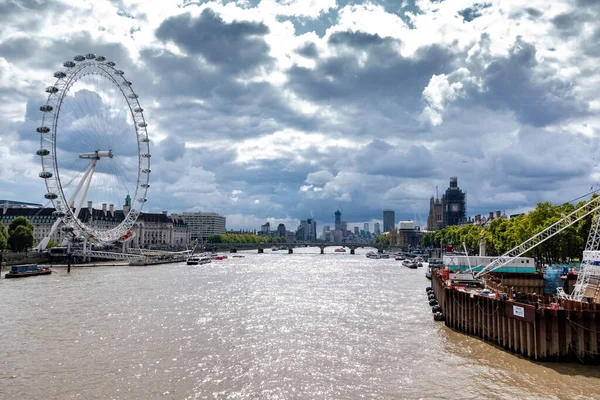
433,302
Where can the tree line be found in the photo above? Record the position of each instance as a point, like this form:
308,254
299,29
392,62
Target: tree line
244,238
501,235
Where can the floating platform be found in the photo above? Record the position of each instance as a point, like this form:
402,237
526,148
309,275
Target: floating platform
537,327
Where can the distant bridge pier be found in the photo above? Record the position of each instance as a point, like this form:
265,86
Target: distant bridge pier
261,250
352,248
322,249
233,250
290,250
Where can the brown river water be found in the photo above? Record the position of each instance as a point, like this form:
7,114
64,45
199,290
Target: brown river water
266,326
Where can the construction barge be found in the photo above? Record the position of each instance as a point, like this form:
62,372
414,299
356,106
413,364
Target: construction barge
537,327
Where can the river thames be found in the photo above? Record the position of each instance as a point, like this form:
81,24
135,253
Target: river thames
266,326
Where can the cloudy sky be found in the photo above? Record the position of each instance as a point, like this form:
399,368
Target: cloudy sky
273,110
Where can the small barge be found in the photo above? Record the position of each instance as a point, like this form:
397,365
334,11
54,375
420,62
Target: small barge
23,271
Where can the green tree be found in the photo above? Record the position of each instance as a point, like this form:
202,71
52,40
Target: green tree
52,243
382,239
19,221
3,237
21,238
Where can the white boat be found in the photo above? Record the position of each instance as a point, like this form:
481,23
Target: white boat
193,260
373,255
428,272
340,250
204,260
410,264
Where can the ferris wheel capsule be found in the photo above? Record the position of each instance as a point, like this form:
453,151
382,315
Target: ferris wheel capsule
90,56
101,58
69,64
45,174
43,129
42,152
78,58
59,74
58,214
51,196
110,64
51,89
46,108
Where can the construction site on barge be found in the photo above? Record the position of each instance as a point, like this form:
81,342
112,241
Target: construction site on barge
501,299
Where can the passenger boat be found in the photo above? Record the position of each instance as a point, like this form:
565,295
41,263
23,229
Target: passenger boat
410,264
373,255
217,257
22,271
204,260
340,250
193,260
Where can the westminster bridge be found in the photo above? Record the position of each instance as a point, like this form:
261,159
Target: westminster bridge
260,247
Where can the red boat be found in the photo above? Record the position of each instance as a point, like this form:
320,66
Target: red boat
215,257
22,271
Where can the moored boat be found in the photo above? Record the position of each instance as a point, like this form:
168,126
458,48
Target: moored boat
340,250
22,271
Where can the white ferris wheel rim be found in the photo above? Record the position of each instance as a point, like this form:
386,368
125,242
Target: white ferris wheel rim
81,66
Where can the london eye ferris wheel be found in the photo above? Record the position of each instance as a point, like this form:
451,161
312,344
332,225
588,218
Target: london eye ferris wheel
94,146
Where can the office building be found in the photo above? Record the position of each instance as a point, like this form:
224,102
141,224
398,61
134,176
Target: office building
203,225
389,220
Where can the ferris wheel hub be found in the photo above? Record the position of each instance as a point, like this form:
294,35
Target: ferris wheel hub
96,155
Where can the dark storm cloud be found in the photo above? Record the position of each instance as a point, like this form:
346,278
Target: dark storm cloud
229,108
570,23
385,76
533,12
512,82
382,158
171,149
236,47
309,50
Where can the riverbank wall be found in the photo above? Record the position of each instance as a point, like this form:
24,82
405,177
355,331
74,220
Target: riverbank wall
537,327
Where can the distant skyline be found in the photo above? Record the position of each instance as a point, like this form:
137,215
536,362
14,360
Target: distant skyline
279,110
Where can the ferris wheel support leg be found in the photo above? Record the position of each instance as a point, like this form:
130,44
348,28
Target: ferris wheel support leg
80,184
88,180
44,242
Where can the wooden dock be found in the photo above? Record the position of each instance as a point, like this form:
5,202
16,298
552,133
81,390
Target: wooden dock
537,327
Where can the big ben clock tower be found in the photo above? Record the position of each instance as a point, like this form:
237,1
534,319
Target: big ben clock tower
455,204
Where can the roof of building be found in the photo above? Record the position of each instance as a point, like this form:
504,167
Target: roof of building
86,215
